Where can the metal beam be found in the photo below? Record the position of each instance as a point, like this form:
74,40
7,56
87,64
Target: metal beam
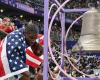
45,66
76,10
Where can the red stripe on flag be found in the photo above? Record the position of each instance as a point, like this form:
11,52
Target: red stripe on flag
32,64
2,72
33,55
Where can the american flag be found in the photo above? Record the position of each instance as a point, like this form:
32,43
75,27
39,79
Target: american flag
13,55
31,59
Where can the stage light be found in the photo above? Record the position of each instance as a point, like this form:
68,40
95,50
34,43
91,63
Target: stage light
21,16
39,20
1,10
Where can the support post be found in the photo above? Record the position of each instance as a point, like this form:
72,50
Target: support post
62,36
45,65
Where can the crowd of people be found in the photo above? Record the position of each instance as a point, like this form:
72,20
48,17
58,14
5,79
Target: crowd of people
87,63
73,35
72,4
39,5
14,23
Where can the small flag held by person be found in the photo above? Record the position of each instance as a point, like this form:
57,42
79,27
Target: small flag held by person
34,57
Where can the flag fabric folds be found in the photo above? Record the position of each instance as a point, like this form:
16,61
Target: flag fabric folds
33,60
12,55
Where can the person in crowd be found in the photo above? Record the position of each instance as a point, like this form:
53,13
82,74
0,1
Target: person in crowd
2,33
6,25
16,42
37,50
17,23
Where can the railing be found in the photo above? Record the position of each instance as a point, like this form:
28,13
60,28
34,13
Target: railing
25,7
18,5
9,2
83,79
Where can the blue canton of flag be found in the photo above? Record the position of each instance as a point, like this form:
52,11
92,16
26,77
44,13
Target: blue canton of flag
12,55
